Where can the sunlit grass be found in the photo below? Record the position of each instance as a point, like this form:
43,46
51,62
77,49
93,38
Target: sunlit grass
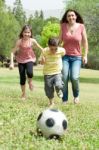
18,118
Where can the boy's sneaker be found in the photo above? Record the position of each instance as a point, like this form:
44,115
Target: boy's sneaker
60,94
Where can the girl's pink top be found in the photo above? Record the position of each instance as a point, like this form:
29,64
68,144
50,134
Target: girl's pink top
72,42
25,54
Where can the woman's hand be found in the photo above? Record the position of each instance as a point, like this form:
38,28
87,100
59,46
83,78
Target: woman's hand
85,59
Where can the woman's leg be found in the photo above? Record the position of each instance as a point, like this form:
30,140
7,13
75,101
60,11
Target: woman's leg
65,73
75,66
22,78
29,70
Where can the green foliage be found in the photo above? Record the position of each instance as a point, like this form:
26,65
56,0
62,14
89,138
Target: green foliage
8,31
52,20
19,12
37,25
18,118
49,30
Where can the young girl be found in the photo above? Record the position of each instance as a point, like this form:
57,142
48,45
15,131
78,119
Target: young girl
25,57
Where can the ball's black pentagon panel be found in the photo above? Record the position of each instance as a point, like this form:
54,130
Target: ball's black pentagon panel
50,122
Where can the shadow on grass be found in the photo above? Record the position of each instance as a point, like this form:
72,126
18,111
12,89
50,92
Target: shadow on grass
89,80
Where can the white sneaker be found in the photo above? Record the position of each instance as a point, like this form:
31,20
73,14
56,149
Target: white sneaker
60,94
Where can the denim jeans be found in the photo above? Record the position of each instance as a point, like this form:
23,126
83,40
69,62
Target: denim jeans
71,70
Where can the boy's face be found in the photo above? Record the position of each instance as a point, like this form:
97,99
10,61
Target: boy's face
53,49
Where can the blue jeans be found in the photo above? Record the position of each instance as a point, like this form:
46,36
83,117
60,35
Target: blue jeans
71,70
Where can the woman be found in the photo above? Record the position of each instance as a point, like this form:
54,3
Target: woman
74,38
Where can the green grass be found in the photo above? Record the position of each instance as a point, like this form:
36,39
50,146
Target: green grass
18,118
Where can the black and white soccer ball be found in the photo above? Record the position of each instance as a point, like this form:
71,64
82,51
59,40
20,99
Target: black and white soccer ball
51,123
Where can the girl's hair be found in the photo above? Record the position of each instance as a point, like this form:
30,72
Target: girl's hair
53,41
64,18
23,29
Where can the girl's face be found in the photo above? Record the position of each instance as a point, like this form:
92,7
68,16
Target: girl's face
71,17
26,33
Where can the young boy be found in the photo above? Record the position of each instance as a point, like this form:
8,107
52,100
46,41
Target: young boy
52,60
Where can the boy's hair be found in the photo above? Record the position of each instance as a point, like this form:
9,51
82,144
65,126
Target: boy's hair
53,41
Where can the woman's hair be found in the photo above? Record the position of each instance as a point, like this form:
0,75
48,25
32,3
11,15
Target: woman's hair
64,18
53,41
24,28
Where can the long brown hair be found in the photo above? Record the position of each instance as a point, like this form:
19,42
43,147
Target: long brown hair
64,18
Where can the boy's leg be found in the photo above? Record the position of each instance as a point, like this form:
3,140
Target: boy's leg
58,84
49,88
22,68
29,70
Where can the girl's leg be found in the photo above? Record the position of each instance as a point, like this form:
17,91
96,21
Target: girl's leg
74,76
29,69
23,91
65,73
22,78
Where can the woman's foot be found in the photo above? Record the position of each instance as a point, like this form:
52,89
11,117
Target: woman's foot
76,100
64,103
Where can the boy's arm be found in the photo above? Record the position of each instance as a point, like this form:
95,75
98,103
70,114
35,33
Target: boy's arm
63,51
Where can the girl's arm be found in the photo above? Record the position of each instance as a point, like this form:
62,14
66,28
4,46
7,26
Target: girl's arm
36,44
12,54
85,45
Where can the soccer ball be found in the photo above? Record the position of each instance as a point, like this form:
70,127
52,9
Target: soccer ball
51,123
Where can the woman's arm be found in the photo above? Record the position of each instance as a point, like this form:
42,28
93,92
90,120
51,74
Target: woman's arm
85,45
60,34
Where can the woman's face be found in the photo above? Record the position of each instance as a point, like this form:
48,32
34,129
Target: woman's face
27,33
71,17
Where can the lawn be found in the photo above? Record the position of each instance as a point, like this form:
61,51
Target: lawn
18,118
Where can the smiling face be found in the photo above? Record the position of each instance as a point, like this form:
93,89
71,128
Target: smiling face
26,33
71,17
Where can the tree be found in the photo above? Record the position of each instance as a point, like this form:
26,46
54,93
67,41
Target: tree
52,20
41,15
8,30
49,30
19,12
37,24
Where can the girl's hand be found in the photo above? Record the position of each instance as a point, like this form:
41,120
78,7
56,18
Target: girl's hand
85,60
42,61
11,66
